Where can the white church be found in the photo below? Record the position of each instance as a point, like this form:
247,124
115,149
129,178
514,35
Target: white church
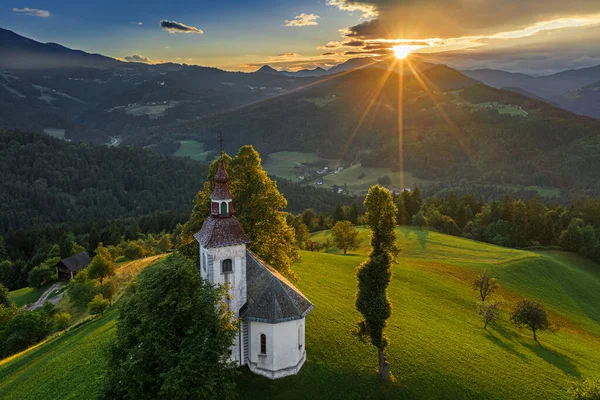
271,310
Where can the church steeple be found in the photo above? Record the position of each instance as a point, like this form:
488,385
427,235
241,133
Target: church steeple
221,199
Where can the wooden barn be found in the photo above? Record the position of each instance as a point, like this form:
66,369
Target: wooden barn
67,268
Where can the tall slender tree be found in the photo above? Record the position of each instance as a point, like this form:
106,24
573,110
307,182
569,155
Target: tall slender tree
374,275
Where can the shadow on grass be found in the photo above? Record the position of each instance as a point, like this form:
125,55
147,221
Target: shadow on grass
555,358
505,345
421,235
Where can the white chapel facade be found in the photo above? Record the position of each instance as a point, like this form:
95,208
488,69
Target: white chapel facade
272,311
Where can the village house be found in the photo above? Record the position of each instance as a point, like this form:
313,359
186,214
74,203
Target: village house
272,311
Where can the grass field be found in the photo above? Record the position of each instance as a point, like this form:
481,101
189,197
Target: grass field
194,150
507,109
26,295
359,179
438,348
292,164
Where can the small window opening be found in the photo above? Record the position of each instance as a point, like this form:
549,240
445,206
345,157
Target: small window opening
263,343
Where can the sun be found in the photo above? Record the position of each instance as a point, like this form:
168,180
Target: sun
402,51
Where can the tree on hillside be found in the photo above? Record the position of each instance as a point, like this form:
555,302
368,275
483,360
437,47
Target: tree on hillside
42,273
485,285
531,314
345,236
4,299
374,275
419,220
353,213
259,207
61,321
338,213
310,219
488,312
98,305
173,337
261,214
101,267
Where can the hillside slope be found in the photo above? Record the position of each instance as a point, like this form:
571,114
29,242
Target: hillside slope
438,347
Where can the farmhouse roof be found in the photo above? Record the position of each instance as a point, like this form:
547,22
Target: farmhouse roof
76,262
271,297
221,232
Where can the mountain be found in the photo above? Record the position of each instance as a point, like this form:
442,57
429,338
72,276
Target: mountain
585,101
19,53
266,69
307,72
353,63
92,98
545,86
454,129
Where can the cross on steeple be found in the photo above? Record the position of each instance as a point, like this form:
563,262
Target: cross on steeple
221,142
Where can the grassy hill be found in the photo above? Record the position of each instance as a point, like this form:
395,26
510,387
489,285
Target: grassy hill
438,347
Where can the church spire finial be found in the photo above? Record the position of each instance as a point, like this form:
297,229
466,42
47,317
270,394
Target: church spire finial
221,143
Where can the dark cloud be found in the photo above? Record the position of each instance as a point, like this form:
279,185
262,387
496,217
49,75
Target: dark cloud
288,55
353,43
420,19
328,54
137,58
178,27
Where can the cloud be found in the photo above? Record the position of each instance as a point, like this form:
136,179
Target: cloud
136,23
137,58
420,19
32,11
178,27
288,55
353,43
367,10
302,20
545,52
328,54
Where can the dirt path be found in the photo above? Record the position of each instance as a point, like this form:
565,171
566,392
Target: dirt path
47,294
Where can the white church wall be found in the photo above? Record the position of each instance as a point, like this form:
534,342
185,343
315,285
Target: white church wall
284,356
237,279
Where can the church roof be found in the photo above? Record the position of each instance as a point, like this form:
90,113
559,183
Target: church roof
271,297
76,262
221,232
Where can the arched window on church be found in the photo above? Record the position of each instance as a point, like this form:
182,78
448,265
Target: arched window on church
300,337
263,343
224,209
204,261
227,266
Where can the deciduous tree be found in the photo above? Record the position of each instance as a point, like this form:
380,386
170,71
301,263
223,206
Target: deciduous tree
345,236
485,285
173,337
488,311
98,305
531,314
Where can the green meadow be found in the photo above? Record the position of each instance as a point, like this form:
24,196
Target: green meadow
194,150
438,348
26,295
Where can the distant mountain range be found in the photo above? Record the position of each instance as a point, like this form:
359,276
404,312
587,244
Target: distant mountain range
564,88
455,130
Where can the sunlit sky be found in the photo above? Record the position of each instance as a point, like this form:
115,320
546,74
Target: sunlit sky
525,35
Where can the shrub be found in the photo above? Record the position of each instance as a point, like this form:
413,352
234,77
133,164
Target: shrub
98,305
62,320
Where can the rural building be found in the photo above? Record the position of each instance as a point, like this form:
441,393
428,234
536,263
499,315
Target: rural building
68,267
271,310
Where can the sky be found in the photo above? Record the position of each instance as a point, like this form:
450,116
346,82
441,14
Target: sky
530,36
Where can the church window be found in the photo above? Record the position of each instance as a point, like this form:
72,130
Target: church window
204,261
227,266
263,343
224,209
300,337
